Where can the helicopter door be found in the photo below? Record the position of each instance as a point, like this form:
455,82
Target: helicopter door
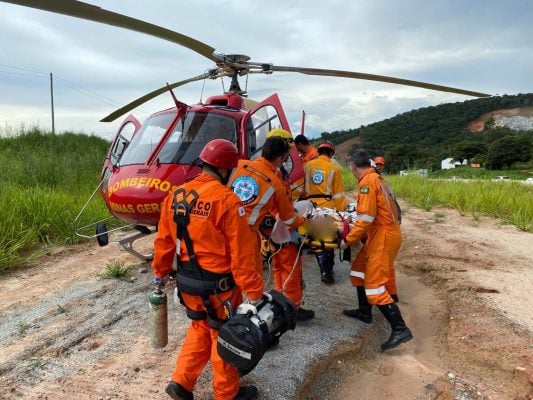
258,122
123,138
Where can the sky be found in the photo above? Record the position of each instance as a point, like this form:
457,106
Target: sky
479,45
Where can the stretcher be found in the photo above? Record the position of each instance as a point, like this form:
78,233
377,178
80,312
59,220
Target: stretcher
326,228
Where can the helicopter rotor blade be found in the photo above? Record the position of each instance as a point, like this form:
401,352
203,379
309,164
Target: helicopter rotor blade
90,12
141,100
378,78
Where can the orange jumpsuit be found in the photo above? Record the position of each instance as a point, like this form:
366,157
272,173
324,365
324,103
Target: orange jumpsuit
357,274
261,190
287,266
217,230
323,178
378,218
311,154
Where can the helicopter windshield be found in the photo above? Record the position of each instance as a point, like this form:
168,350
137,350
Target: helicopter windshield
145,141
191,134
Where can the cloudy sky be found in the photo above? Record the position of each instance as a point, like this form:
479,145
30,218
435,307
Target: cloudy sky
480,45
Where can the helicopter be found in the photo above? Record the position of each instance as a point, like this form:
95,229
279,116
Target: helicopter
147,160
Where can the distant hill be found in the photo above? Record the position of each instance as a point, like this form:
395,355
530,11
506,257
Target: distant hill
422,138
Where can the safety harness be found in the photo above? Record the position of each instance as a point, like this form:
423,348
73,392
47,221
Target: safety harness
191,278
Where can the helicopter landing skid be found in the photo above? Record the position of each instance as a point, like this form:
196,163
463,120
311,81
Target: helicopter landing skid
127,244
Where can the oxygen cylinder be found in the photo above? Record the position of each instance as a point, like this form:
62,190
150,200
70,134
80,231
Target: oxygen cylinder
158,316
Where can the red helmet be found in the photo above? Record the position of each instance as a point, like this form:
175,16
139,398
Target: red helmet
379,160
220,153
326,145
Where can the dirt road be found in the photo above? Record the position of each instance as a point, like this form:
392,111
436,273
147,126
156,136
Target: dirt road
66,333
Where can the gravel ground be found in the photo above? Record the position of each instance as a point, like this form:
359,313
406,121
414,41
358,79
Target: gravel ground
70,334
289,371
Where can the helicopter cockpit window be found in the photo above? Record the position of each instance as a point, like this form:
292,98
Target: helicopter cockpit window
145,141
288,164
258,125
122,141
191,134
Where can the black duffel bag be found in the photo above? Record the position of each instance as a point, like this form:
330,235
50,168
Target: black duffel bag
243,340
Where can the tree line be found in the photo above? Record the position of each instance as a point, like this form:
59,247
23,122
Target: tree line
422,138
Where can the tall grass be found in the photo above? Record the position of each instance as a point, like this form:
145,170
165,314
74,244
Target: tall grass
45,181
512,202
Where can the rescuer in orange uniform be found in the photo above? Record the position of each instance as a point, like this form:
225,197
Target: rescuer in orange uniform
357,274
323,180
217,228
324,186
307,150
286,260
379,163
261,190
378,217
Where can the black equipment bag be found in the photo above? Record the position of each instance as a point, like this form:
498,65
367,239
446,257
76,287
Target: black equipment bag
284,313
243,340
242,343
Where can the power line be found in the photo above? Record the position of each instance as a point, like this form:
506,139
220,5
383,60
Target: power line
89,93
24,69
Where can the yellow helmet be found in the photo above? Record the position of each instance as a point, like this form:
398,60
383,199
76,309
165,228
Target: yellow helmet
281,133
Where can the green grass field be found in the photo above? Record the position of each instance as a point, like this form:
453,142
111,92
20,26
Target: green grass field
46,180
511,202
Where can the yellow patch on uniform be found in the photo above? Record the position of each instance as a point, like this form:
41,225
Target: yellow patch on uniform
364,190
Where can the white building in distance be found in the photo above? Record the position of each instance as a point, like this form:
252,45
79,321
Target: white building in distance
449,163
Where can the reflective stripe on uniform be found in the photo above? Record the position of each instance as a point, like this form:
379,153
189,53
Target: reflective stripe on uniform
338,195
373,292
366,218
297,185
329,181
386,193
357,274
260,204
290,220
307,177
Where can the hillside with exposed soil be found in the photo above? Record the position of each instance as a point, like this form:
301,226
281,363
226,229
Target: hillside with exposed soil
520,119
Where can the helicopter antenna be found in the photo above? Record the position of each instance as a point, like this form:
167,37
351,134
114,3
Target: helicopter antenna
178,103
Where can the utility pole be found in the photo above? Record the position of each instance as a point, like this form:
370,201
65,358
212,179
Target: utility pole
52,99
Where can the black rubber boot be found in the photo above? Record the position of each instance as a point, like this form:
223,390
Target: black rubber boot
304,315
347,254
364,312
400,332
178,392
321,260
325,262
247,392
